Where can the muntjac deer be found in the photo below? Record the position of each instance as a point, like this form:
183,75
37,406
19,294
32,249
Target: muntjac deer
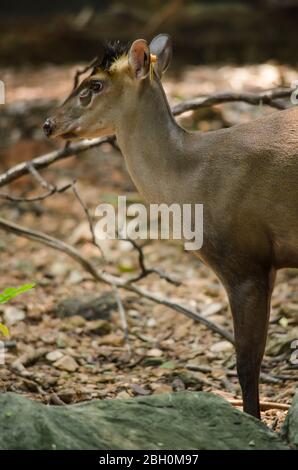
246,177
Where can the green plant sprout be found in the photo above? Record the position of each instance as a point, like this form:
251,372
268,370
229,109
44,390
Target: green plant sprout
8,294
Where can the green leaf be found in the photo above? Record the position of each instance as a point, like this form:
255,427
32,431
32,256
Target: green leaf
4,330
125,268
11,292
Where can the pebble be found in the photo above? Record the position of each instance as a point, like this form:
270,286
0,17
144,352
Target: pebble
154,352
66,363
221,346
163,388
54,356
13,315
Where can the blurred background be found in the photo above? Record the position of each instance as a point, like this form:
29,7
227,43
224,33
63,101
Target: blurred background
205,31
219,45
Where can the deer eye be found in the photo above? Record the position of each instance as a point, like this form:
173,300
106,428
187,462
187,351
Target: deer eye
96,86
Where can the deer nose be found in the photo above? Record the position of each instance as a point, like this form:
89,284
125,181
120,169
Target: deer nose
49,126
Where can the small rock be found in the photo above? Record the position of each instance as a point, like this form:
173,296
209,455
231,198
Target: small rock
13,315
66,363
75,277
54,356
151,322
154,352
162,388
111,340
72,323
212,309
99,327
222,346
178,385
67,396
133,313
278,343
91,308
58,269
49,382
49,338
123,394
188,380
138,390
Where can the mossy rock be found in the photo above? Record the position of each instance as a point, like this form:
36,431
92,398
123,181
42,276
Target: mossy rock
185,420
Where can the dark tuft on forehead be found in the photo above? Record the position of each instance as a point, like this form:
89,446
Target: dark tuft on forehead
112,51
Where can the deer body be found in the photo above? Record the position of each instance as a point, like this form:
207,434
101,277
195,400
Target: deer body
246,178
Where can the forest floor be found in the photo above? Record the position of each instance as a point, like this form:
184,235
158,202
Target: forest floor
59,353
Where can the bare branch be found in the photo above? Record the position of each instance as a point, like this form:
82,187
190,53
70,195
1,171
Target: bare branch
48,159
109,278
269,97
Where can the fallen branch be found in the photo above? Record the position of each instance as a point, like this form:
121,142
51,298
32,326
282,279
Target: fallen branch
110,279
264,405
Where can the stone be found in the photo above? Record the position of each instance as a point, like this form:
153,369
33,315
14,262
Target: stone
289,430
13,315
162,388
91,308
154,352
222,347
176,421
111,340
66,363
54,356
98,327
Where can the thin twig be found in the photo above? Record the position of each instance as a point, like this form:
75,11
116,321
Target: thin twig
122,318
146,271
51,188
39,178
89,218
42,197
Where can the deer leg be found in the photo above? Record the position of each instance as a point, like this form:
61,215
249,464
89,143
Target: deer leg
250,304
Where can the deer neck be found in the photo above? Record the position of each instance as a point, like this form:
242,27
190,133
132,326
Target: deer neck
152,144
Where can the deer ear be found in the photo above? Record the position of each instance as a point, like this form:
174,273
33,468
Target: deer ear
161,46
139,58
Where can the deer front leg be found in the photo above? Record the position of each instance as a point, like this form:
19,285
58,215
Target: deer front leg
250,304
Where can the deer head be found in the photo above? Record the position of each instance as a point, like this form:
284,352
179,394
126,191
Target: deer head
113,87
